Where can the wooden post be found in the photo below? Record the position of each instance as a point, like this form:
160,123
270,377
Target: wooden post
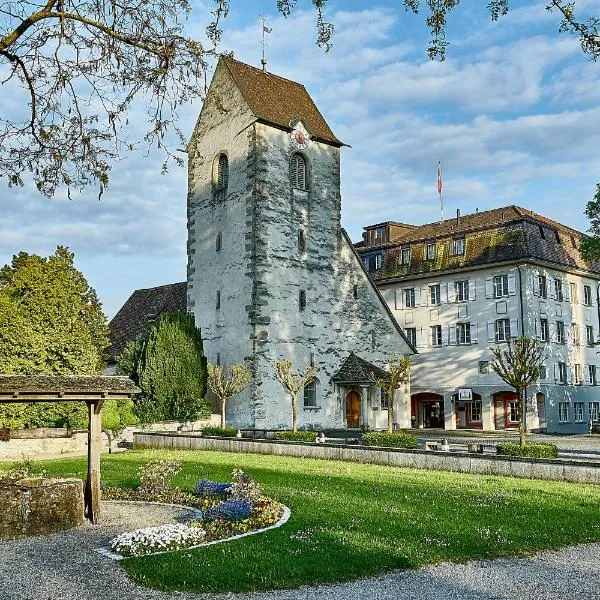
92,486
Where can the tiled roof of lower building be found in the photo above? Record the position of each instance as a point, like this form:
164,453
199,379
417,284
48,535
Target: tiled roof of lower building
356,370
142,308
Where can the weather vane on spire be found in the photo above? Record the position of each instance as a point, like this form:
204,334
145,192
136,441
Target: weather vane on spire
265,30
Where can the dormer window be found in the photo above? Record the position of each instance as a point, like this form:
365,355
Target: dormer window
378,234
221,180
458,246
542,232
557,236
298,171
405,255
430,252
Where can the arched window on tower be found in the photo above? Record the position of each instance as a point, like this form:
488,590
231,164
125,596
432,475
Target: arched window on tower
221,177
298,171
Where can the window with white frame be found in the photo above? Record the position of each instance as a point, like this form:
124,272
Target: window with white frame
500,286
562,373
589,335
463,333
560,332
587,295
558,289
458,246
436,335
543,372
411,335
462,290
474,412
409,298
542,286
574,294
502,330
592,374
577,373
544,331
405,255
378,234
563,412
594,408
578,412
513,412
435,295
310,394
430,250
378,261
576,334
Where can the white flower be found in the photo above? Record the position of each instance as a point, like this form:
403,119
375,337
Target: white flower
157,539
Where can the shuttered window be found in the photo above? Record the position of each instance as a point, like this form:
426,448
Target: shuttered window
222,178
298,172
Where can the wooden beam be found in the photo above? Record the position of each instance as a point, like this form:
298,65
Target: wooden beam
92,486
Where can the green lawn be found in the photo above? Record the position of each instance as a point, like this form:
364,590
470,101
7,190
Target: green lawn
350,520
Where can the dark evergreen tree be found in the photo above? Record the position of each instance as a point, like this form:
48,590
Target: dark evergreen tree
169,366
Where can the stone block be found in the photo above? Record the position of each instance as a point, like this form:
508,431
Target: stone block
32,507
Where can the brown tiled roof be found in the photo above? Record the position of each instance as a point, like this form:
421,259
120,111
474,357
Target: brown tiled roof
279,101
142,307
498,235
356,370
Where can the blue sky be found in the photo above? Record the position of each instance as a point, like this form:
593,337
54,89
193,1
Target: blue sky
513,114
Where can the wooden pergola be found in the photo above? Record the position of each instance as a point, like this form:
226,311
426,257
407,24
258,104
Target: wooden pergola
94,391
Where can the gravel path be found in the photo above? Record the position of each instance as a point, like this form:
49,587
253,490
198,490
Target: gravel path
65,566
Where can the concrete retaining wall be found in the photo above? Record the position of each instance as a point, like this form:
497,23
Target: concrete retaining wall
461,462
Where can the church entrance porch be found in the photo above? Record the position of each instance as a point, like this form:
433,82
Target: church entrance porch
353,410
428,410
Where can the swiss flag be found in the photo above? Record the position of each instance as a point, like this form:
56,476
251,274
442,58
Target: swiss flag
440,177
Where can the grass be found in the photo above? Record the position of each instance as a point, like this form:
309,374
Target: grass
351,520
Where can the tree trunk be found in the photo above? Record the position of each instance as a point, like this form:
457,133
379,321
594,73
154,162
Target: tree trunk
521,418
223,401
390,412
294,413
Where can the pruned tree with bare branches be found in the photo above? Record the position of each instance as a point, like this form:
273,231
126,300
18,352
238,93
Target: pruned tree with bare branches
398,374
293,383
225,383
519,364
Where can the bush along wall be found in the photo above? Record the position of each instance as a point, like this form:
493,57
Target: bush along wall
541,450
396,439
219,432
295,436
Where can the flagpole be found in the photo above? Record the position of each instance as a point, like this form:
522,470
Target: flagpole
440,191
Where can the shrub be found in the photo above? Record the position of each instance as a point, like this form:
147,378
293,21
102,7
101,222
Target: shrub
539,450
295,436
397,439
244,488
218,431
230,510
157,475
206,488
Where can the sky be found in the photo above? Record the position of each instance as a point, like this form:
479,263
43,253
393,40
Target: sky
513,114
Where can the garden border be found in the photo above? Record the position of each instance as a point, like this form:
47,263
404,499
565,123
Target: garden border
463,462
107,552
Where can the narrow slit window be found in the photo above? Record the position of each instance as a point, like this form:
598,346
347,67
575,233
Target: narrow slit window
301,241
219,242
298,172
218,300
222,177
302,299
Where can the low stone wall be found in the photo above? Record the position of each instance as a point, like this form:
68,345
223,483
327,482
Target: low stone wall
36,506
461,462
40,443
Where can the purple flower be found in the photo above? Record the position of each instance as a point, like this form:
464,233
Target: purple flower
206,488
230,510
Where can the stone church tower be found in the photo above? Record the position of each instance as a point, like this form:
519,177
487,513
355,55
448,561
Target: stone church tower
271,274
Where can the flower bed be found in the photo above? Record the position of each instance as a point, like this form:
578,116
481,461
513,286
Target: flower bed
227,510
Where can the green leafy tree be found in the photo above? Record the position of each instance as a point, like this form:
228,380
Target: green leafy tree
168,364
51,322
590,246
224,385
519,365
293,382
116,416
398,374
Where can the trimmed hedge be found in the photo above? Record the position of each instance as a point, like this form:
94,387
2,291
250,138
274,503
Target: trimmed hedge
218,432
295,436
540,450
396,439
